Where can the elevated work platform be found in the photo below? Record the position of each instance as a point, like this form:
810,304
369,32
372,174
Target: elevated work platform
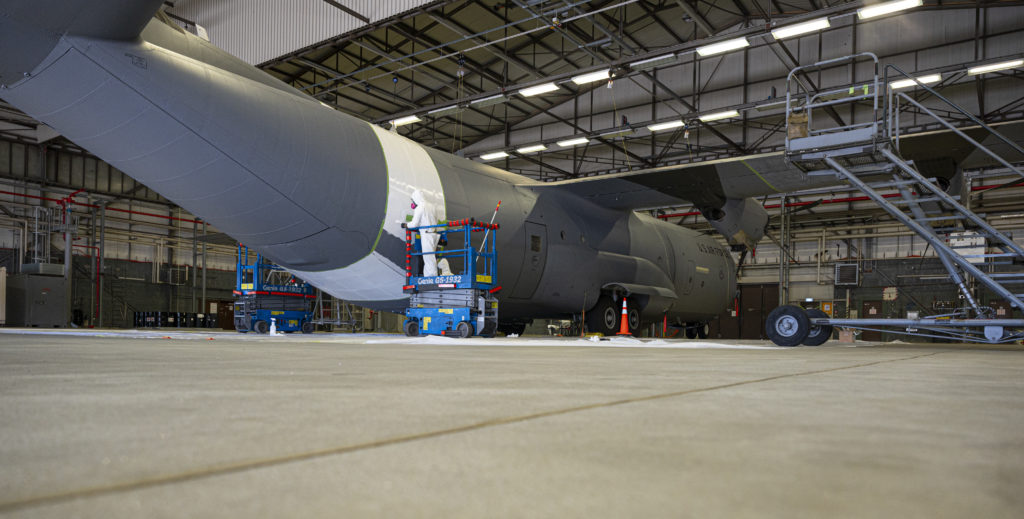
866,155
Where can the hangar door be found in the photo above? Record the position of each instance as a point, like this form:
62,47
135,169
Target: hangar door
533,261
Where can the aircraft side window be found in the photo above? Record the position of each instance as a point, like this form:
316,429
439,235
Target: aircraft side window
535,243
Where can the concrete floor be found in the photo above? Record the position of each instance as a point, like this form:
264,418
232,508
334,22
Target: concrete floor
136,425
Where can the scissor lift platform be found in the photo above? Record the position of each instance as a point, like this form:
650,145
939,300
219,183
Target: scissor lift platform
459,305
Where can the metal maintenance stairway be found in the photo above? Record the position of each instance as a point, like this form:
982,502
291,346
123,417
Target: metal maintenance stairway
866,155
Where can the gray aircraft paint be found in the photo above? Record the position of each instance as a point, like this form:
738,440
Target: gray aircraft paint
321,193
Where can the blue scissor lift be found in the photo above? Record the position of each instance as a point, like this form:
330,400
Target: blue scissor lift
461,304
258,301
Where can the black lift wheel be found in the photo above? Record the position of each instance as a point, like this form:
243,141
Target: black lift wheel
464,330
787,325
308,327
411,328
818,334
261,327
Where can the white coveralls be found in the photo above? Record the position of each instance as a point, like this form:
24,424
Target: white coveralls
424,215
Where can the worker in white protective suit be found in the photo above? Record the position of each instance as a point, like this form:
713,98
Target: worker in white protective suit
423,214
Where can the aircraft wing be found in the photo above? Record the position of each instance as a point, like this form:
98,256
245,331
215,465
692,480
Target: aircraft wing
705,184
712,183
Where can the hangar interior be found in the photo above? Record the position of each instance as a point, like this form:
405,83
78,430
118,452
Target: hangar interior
631,88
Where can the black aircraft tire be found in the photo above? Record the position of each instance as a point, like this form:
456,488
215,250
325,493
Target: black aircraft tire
818,335
261,327
633,314
787,325
604,317
464,330
411,328
703,330
308,327
512,328
691,330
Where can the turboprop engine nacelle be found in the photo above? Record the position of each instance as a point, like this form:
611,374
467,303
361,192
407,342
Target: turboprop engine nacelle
741,220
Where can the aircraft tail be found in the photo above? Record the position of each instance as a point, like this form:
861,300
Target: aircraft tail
30,29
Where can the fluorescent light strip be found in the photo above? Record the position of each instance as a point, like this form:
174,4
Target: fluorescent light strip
883,9
538,90
984,69
600,75
665,126
573,142
906,83
489,99
532,149
402,121
652,62
719,115
801,28
725,46
495,155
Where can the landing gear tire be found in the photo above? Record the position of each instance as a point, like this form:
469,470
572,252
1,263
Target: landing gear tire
308,327
691,330
787,325
512,328
633,316
261,327
604,317
411,328
463,330
817,334
703,330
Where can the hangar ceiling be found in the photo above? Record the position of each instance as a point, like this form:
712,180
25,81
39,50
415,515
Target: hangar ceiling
458,66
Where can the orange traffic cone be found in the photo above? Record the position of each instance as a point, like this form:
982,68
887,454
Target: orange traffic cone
624,323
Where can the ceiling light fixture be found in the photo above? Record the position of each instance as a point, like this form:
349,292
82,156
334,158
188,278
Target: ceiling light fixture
574,142
725,46
495,155
488,101
719,116
801,28
652,62
665,126
538,90
600,75
531,149
402,121
984,69
885,8
906,83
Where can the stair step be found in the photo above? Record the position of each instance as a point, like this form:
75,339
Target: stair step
940,218
990,255
924,200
